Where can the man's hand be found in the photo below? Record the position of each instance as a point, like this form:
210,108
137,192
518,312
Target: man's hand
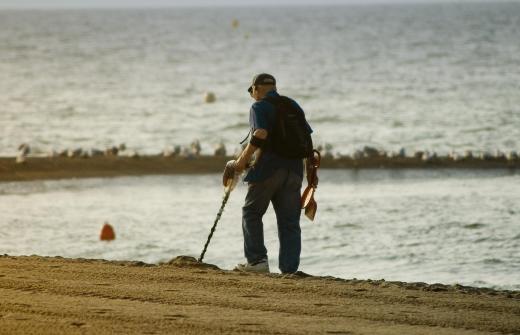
229,172
312,177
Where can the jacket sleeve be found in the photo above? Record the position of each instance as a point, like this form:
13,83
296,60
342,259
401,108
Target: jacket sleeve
258,116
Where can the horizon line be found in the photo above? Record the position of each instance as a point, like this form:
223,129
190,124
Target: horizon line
166,6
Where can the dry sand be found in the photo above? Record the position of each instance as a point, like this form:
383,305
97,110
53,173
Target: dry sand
110,166
76,296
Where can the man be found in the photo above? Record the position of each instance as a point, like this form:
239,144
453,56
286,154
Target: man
272,178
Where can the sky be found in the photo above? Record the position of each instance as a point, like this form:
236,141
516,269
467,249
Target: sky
168,3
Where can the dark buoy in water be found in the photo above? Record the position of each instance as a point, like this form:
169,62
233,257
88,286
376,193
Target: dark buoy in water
210,97
107,233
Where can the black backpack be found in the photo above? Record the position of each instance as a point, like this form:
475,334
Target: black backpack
290,137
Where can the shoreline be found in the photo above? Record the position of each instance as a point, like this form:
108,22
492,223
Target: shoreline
42,168
62,296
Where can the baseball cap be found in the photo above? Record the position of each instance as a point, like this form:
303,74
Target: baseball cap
262,79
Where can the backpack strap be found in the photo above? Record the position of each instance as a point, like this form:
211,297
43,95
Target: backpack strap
280,104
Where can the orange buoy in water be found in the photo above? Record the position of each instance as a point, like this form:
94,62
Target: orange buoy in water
107,233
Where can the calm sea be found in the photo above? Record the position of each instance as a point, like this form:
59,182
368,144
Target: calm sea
431,226
436,77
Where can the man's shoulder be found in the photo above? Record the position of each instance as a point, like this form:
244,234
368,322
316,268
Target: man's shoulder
262,106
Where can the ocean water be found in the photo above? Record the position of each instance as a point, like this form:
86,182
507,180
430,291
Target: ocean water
431,77
411,225
436,77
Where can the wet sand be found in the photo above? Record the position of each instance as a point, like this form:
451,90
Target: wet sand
78,296
110,166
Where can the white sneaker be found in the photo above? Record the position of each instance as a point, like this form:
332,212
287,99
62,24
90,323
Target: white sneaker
261,266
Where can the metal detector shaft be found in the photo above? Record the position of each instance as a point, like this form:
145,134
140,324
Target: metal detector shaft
219,214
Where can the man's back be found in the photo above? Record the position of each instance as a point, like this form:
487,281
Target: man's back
262,115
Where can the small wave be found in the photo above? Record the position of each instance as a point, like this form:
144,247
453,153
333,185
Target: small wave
408,245
335,246
303,96
144,248
347,225
318,238
492,261
323,119
437,54
479,283
478,130
474,226
238,125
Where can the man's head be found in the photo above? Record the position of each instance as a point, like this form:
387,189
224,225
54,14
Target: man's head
261,84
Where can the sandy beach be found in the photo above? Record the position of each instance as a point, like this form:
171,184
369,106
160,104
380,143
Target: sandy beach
42,295
36,168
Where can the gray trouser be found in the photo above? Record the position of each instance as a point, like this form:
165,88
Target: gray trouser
283,190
